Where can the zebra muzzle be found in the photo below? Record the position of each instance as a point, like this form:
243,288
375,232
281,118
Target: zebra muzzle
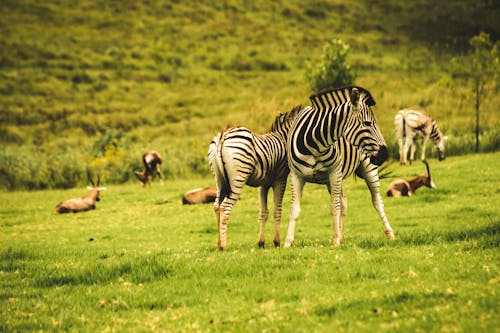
380,157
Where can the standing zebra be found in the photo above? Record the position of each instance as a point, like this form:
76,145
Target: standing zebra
237,157
311,146
410,125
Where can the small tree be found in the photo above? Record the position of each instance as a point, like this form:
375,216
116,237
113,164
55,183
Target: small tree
331,71
480,67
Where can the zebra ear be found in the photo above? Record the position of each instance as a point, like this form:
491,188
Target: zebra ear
354,96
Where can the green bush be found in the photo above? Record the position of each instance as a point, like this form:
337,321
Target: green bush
332,70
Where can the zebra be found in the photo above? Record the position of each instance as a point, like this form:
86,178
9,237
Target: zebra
410,125
237,157
311,149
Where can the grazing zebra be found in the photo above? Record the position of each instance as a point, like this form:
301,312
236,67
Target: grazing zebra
237,157
410,125
311,146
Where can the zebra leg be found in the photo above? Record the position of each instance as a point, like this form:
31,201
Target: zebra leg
343,212
373,182
226,208
407,145
278,193
263,213
335,180
413,148
424,145
297,185
401,151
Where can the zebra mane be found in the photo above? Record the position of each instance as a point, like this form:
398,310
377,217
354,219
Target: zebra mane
285,118
333,98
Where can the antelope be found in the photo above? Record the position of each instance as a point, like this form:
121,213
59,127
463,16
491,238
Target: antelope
152,162
407,187
81,204
199,195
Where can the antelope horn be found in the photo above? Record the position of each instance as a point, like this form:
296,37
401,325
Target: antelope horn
428,169
98,180
90,178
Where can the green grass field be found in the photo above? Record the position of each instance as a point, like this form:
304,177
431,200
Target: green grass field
143,262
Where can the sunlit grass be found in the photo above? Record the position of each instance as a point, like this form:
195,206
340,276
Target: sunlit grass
142,261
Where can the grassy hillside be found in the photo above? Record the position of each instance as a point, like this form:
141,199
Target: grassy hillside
143,262
94,84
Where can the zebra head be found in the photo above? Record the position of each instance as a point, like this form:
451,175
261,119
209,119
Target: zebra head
365,133
439,140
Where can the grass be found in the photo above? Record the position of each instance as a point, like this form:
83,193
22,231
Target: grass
143,262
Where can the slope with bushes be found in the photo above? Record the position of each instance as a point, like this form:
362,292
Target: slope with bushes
168,75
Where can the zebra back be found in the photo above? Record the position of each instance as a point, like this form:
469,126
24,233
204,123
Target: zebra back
333,98
283,121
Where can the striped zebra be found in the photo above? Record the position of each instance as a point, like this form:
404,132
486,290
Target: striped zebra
410,125
311,153
237,157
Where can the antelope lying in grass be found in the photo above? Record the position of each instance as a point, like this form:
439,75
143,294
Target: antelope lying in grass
407,187
199,195
152,163
81,204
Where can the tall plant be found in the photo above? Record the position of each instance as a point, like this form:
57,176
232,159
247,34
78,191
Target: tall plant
480,67
331,70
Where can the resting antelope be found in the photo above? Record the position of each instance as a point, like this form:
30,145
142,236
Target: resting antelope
81,204
410,125
152,163
407,187
199,195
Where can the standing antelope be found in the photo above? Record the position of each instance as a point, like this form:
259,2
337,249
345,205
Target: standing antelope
343,112
152,163
410,125
407,187
237,157
81,204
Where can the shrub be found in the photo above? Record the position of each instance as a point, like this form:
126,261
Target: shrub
331,71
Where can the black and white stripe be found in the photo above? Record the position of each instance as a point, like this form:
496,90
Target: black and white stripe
239,157
352,160
411,125
312,156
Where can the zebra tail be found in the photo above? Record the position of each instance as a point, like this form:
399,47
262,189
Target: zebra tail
220,170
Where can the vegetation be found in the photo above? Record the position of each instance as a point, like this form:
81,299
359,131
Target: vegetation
168,75
143,262
481,67
332,70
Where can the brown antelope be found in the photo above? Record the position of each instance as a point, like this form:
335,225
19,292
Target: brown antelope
81,204
407,187
199,195
152,163
410,125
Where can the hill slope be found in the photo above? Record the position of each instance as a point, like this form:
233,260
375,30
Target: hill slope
94,84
